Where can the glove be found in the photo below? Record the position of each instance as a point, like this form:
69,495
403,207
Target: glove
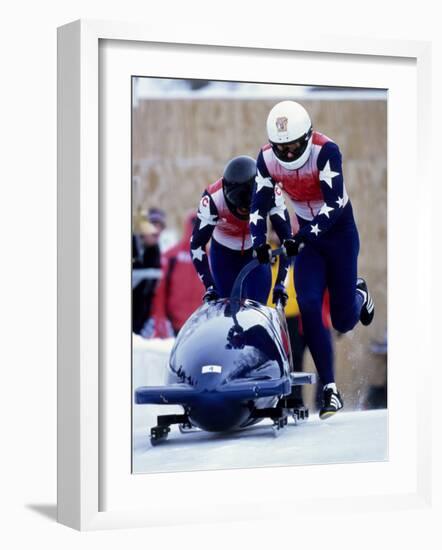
263,253
211,295
280,296
235,338
293,246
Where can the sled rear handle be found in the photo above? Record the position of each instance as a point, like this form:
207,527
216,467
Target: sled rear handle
236,294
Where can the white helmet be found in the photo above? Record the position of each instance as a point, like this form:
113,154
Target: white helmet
289,129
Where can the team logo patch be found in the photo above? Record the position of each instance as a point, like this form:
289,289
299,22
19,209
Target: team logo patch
281,124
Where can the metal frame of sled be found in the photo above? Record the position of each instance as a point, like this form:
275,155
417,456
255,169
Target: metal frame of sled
287,407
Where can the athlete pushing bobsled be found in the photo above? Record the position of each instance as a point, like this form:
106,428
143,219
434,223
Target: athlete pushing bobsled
307,165
223,217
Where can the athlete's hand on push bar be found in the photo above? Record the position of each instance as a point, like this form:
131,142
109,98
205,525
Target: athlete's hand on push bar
263,254
292,246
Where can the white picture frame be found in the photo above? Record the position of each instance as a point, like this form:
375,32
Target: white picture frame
80,295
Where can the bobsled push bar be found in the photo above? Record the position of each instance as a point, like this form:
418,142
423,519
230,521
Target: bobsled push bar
236,294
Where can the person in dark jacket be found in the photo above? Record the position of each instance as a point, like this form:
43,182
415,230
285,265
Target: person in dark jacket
145,256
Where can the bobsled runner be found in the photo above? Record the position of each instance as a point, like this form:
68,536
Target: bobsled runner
230,367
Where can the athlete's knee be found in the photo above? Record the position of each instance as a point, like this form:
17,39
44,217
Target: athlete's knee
343,323
341,326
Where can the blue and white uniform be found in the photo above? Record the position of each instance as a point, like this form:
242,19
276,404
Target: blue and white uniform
231,244
327,227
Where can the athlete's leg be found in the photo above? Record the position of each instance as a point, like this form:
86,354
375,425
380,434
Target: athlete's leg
258,283
342,259
310,282
224,265
297,345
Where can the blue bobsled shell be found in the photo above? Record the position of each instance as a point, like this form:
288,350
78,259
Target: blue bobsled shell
228,360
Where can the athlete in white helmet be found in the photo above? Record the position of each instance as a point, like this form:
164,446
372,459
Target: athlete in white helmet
290,133
307,165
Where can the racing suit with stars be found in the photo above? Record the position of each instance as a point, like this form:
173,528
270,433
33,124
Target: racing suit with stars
331,242
231,245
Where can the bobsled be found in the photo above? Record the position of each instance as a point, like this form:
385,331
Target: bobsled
230,367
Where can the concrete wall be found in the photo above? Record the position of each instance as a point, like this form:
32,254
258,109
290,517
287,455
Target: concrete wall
181,146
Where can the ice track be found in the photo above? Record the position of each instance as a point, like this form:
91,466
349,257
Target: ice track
347,437
359,436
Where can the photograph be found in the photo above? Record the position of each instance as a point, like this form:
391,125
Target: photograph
259,275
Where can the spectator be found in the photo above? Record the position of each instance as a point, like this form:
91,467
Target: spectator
180,291
168,237
145,255
157,217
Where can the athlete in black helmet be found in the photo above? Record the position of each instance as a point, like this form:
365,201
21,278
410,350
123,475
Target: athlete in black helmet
224,217
237,182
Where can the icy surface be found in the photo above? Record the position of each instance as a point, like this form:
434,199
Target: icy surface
347,437
359,436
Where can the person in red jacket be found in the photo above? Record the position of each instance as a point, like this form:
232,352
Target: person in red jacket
180,291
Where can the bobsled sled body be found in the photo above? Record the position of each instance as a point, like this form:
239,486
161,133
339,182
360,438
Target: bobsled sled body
227,362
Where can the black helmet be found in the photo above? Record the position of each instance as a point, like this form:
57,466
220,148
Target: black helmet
238,179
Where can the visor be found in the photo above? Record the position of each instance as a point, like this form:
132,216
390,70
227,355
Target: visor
292,150
239,195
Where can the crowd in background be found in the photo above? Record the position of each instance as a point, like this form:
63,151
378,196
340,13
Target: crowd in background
170,290
146,263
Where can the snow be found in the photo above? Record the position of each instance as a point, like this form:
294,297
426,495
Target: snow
150,361
355,436
358,436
